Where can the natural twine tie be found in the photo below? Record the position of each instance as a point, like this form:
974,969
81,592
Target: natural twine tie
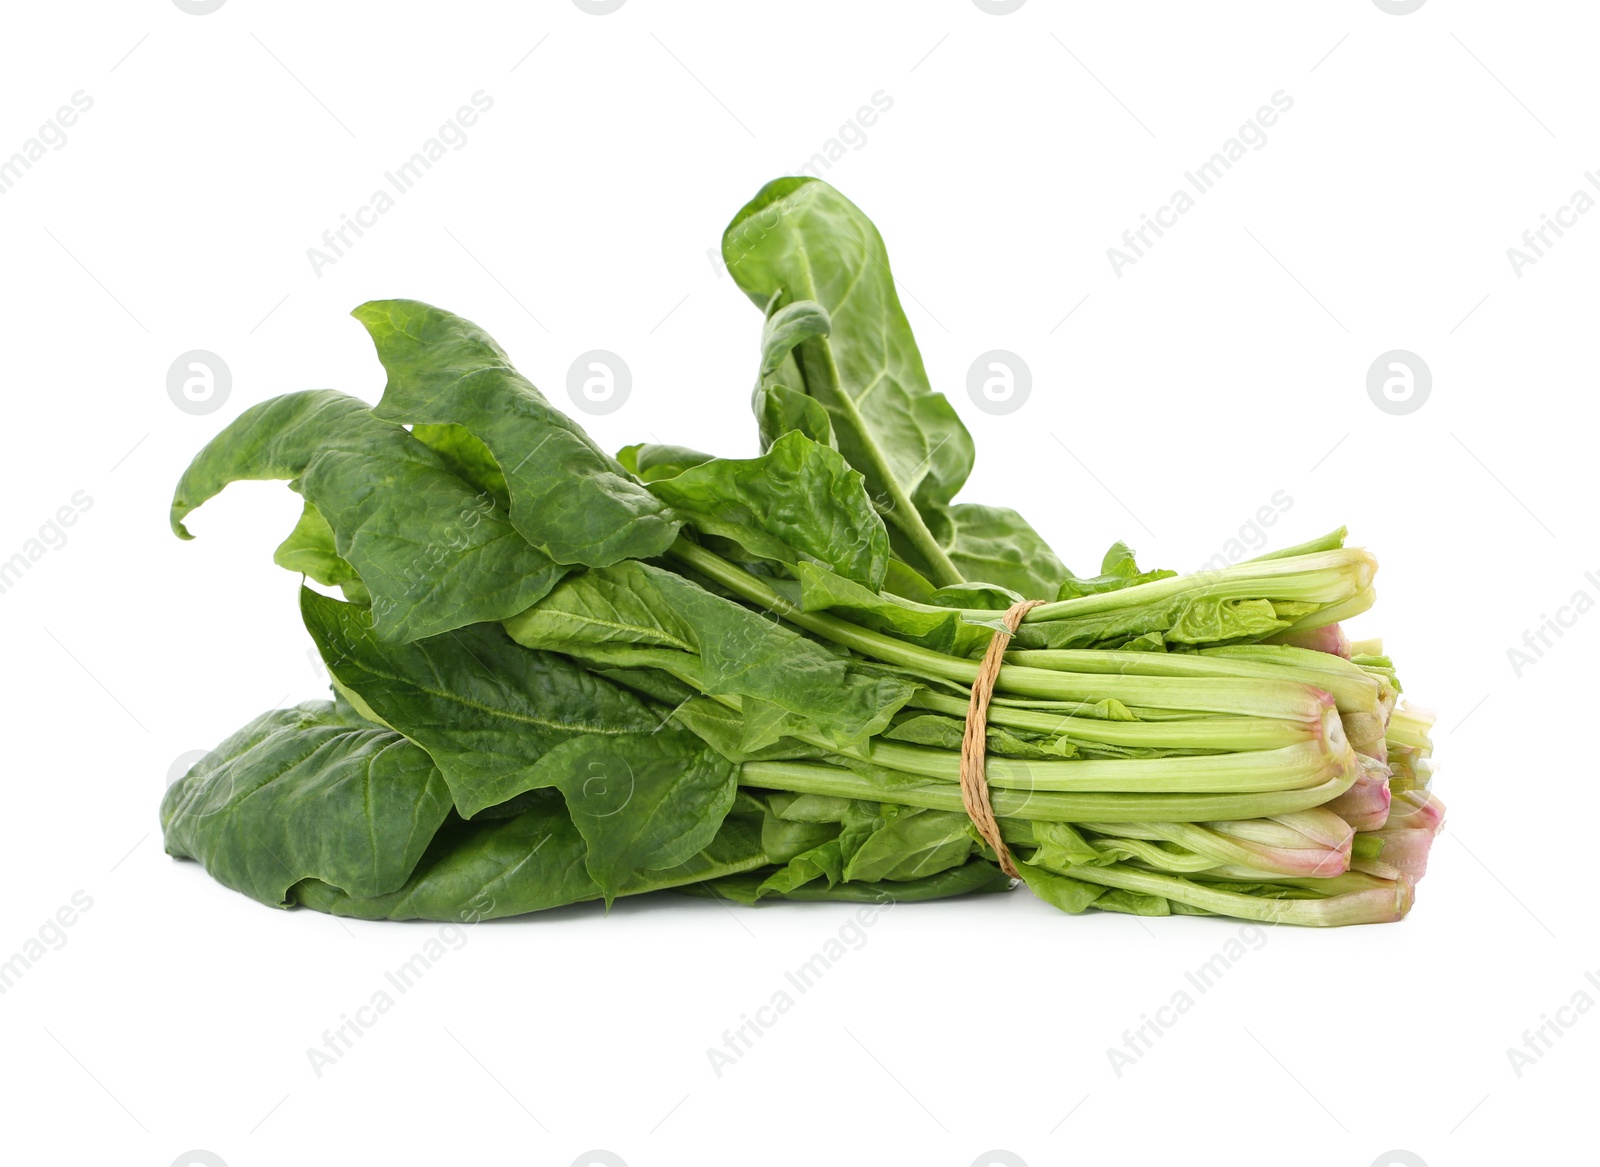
974,779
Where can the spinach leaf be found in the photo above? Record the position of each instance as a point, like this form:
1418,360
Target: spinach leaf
798,499
941,629
434,553
489,869
911,843
311,550
568,498
486,709
1118,570
467,458
800,240
648,461
997,546
307,793
734,652
836,333
642,802
973,877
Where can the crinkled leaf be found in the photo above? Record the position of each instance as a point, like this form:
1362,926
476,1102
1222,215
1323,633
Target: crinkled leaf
568,498
487,869
799,499
1118,570
740,653
488,710
995,545
801,240
434,553
912,843
311,550
648,461
940,629
307,793
467,458
643,801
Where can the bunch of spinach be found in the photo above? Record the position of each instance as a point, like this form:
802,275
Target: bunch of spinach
561,676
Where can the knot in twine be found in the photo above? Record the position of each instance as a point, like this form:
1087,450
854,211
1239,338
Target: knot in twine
974,740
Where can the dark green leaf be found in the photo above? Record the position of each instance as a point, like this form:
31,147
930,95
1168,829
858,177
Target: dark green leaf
799,499
734,651
434,553
995,545
467,458
307,793
643,802
568,498
488,869
488,710
800,240
1117,571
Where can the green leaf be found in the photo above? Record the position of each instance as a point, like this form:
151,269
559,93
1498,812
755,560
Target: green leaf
799,499
434,553
488,869
1117,571
467,458
307,793
982,596
311,550
644,801
733,651
976,876
912,843
800,240
780,410
945,733
1060,891
941,629
786,326
568,498
486,709
995,545
1213,619
647,461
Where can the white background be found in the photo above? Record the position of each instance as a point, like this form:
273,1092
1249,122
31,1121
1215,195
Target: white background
1168,405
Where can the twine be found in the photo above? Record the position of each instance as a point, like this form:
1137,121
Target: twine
974,778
